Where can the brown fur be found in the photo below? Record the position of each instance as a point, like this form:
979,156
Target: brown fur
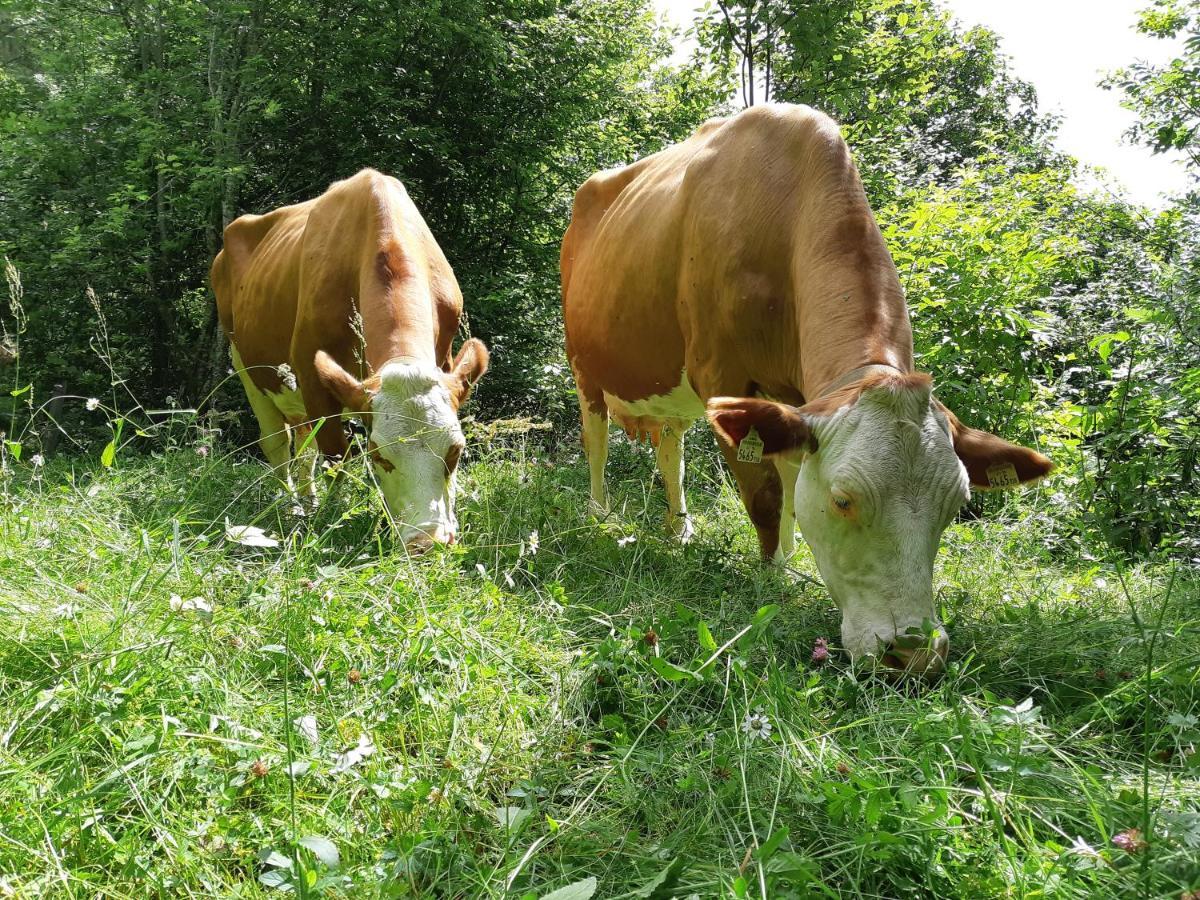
981,450
288,284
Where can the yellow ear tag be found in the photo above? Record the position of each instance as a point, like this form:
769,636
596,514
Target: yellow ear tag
1003,476
750,450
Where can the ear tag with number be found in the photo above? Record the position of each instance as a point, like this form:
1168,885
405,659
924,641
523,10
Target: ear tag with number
750,450
1003,476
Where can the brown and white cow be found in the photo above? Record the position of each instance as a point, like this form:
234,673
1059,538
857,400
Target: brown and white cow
345,303
745,263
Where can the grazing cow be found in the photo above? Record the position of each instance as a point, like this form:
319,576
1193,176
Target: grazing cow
345,303
744,264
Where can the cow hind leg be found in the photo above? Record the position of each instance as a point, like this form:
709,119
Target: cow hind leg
669,454
595,447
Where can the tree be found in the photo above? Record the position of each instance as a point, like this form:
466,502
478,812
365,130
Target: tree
134,132
1166,98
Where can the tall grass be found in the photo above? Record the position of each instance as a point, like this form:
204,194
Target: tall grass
556,700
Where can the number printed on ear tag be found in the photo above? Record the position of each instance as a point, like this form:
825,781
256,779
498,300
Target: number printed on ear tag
751,448
1003,476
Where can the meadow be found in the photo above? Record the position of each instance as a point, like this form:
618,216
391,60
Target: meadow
559,707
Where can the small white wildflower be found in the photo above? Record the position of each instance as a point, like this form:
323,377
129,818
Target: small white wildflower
1083,848
287,376
93,404
757,725
64,611
202,451
195,604
307,726
532,544
1100,583
352,756
37,460
626,541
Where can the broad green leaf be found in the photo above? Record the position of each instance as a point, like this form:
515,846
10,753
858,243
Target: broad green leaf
323,849
579,890
668,670
662,885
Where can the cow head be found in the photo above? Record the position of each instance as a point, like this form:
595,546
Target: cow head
411,410
883,468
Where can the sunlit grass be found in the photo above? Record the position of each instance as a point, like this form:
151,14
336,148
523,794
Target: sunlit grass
518,712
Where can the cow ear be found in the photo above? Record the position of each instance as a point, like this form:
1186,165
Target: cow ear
468,368
348,389
991,461
781,428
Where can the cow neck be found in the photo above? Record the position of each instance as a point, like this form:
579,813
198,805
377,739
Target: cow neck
399,324
859,325
855,375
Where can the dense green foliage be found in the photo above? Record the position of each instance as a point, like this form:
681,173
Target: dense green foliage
128,140
520,709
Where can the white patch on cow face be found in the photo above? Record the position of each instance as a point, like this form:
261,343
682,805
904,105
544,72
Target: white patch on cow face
872,503
414,428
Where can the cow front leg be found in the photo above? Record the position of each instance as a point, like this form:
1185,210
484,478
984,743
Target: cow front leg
595,448
762,495
273,437
669,454
788,473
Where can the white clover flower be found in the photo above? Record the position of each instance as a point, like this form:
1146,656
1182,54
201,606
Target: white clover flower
757,725
287,376
352,756
202,451
93,404
37,460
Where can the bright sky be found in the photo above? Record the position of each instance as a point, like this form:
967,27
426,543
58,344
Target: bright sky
1063,47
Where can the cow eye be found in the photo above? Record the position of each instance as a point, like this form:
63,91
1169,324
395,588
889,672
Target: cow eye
842,503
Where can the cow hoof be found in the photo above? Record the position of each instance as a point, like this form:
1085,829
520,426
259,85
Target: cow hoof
598,509
681,527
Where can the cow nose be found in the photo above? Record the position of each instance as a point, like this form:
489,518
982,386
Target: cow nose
422,541
917,654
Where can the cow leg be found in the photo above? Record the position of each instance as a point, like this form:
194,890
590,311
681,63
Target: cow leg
273,436
762,495
595,447
305,463
788,473
669,454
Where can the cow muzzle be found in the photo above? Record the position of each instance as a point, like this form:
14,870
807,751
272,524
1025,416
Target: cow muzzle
423,539
917,655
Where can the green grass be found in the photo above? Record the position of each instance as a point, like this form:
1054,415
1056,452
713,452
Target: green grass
529,732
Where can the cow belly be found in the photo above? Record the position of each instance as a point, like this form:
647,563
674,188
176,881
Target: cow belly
645,417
